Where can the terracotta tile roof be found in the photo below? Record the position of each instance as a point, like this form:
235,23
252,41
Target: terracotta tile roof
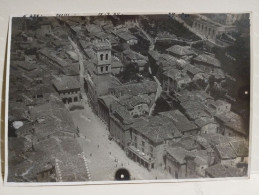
181,50
225,151
126,36
208,59
66,83
145,87
232,121
177,153
180,121
220,170
240,147
156,128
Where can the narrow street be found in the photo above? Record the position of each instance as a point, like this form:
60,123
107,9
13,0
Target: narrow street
101,153
81,64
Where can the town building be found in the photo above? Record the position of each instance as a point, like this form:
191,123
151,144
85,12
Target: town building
219,170
231,124
179,51
68,88
175,162
127,37
51,58
225,154
149,136
132,58
211,30
104,107
197,162
218,107
120,121
207,63
98,78
175,80
116,65
123,111
207,125
145,89
183,124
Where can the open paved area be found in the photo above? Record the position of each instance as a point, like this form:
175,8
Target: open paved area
104,157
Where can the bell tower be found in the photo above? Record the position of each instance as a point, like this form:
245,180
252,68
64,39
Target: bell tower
102,50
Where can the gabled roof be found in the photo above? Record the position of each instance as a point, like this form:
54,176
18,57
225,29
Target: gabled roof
232,121
126,36
156,128
177,153
179,120
220,170
240,147
181,50
208,59
225,151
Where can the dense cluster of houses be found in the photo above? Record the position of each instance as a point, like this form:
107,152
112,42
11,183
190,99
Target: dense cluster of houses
41,144
197,136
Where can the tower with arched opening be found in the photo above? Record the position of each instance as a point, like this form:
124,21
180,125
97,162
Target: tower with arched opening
102,50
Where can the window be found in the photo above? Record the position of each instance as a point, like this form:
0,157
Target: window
101,69
101,56
106,56
151,151
107,67
143,143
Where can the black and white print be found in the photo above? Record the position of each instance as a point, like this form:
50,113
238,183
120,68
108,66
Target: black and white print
163,96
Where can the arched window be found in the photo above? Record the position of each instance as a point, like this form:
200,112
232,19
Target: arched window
106,68
106,56
101,56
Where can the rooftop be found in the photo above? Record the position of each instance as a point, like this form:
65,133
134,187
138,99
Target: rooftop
208,59
232,121
215,139
179,120
51,117
156,128
126,36
102,45
225,151
131,101
145,87
200,122
66,83
181,50
220,170
52,55
240,147
200,157
26,65
107,100
177,153
188,143
134,56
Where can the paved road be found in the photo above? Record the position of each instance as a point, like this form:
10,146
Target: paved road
101,153
81,63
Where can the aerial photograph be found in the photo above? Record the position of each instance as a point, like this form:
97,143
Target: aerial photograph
164,97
